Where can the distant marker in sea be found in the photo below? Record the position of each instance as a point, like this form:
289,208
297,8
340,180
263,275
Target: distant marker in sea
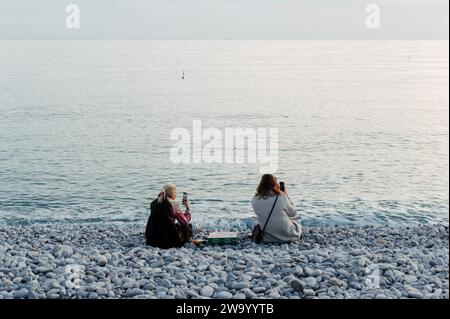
182,76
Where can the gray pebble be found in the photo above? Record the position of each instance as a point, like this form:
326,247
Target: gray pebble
21,293
309,292
134,292
207,291
223,295
336,282
296,285
241,285
101,260
414,293
310,282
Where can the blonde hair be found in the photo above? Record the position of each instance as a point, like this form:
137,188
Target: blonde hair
168,191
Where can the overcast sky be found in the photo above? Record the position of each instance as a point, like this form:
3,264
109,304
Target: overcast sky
224,19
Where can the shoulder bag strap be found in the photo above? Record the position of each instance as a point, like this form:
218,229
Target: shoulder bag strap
270,214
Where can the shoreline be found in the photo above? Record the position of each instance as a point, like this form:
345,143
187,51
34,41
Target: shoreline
112,261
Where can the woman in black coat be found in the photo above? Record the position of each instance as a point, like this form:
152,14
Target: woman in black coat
168,226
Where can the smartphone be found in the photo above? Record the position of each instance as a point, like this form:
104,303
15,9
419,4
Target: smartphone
184,197
282,187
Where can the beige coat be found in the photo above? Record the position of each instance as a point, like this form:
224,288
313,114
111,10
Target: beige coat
281,227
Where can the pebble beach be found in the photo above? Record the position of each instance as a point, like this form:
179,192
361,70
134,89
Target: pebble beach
93,261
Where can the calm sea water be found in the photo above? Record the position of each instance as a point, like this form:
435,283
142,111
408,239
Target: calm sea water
85,127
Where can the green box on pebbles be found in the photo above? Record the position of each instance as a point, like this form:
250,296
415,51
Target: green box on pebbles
223,238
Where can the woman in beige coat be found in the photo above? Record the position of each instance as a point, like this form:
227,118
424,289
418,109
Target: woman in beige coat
282,226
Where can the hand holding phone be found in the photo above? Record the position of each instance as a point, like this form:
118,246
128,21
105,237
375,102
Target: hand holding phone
185,200
282,187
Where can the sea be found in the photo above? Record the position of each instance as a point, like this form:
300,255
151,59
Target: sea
87,129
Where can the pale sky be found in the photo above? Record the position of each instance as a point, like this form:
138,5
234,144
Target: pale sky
224,19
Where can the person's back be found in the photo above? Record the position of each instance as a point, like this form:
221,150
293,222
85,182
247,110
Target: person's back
161,231
167,225
281,226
